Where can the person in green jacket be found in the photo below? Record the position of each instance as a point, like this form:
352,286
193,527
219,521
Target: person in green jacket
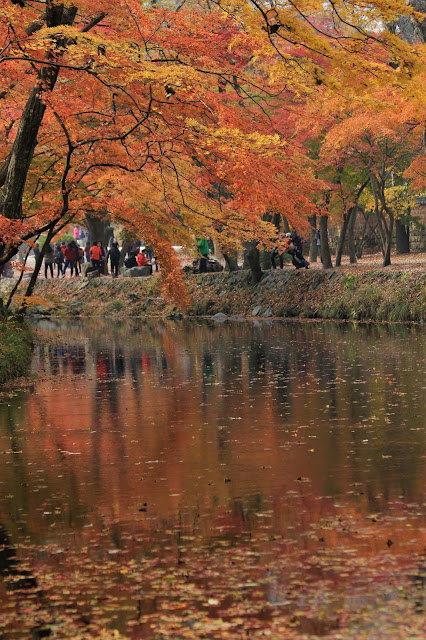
204,250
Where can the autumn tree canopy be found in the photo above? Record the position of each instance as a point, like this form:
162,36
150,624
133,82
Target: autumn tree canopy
182,120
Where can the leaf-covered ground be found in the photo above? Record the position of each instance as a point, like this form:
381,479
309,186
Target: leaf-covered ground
396,296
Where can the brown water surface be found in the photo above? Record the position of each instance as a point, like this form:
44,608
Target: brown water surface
202,480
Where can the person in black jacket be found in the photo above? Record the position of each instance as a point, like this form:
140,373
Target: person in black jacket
114,254
294,249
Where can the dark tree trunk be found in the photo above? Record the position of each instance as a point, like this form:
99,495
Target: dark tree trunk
325,247
252,259
402,237
265,259
341,242
99,228
313,247
14,173
265,254
351,241
388,245
286,226
231,261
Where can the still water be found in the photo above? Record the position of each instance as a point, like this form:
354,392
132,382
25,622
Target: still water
202,480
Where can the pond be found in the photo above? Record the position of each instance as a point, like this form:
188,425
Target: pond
214,480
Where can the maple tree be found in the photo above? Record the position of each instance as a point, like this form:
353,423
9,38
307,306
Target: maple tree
380,143
147,113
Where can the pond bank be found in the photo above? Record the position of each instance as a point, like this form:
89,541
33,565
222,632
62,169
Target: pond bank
16,350
378,295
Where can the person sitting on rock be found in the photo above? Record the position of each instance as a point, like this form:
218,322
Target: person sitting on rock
142,260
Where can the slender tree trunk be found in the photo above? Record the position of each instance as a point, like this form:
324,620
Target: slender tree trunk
313,247
325,247
342,236
286,226
34,275
389,232
18,282
360,247
265,254
252,258
351,241
402,237
265,259
231,261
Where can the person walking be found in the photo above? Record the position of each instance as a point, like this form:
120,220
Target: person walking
113,256
318,240
70,258
36,251
59,259
104,255
96,256
79,260
49,259
87,251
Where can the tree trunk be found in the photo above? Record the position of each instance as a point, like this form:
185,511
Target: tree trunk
252,259
34,275
341,242
14,173
231,261
351,241
402,237
286,226
313,247
389,232
265,259
325,247
99,228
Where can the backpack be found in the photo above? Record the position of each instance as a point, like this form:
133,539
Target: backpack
130,262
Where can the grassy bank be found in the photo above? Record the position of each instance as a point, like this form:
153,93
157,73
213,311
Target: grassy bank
15,350
381,296
378,295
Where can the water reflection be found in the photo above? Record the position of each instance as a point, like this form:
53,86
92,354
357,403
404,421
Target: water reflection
221,432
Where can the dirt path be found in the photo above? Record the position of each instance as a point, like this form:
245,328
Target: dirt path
374,261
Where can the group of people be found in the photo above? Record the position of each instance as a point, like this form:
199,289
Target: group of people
138,256
69,255
294,247
62,255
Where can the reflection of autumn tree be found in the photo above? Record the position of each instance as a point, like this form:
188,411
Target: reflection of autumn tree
148,424
219,455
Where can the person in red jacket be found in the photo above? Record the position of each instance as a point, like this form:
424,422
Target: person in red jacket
70,254
96,256
142,260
